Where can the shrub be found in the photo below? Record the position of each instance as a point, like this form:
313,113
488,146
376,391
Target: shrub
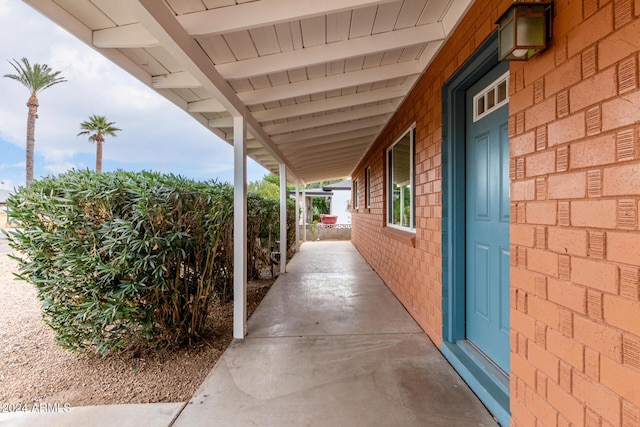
120,257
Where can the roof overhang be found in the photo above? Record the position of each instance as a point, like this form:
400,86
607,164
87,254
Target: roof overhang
315,80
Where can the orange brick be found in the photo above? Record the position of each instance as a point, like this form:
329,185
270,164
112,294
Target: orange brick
563,76
544,361
522,144
622,179
622,313
620,379
521,234
623,247
583,94
523,279
544,311
520,414
595,274
619,45
567,295
540,164
597,398
545,413
523,98
523,324
540,66
568,15
592,363
593,152
567,185
523,190
603,338
568,349
544,213
594,213
621,111
590,31
523,370
566,130
567,241
542,262
541,113
566,404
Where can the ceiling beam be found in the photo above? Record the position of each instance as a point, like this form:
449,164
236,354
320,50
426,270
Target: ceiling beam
334,103
263,13
329,152
331,130
330,52
125,36
206,106
329,146
360,133
325,84
323,165
162,24
179,80
329,119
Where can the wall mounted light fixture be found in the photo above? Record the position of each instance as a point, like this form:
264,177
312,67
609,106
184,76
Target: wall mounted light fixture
524,29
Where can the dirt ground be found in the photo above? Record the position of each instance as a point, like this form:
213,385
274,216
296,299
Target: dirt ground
34,369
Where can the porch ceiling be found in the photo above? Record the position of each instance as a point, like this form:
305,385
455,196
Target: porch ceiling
317,80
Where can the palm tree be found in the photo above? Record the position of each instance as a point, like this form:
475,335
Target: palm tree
35,78
97,127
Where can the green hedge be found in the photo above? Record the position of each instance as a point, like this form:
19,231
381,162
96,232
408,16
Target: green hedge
123,258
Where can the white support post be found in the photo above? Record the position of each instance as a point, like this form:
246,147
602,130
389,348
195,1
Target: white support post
297,221
239,227
283,218
304,214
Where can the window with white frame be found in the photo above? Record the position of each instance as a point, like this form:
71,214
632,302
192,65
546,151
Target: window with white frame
401,182
367,189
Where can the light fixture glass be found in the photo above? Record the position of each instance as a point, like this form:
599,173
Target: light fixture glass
523,30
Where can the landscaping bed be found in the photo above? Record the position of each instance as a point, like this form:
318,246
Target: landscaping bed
35,369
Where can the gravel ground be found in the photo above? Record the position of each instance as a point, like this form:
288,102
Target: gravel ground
35,370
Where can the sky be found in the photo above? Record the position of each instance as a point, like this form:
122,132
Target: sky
156,135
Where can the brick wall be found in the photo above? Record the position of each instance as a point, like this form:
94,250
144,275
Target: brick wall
412,268
575,192
575,187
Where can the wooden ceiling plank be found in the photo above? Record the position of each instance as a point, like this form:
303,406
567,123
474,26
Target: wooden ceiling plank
329,119
410,13
217,49
314,31
329,83
241,45
362,21
125,36
338,26
360,133
181,79
330,129
266,40
330,104
386,17
186,6
348,49
265,12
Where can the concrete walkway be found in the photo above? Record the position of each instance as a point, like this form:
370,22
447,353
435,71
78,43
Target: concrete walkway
329,346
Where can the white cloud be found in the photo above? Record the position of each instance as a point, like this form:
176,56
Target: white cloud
58,168
6,166
6,8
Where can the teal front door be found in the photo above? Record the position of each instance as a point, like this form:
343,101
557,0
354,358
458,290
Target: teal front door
487,216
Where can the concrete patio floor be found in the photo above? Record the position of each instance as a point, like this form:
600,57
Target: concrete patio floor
330,345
